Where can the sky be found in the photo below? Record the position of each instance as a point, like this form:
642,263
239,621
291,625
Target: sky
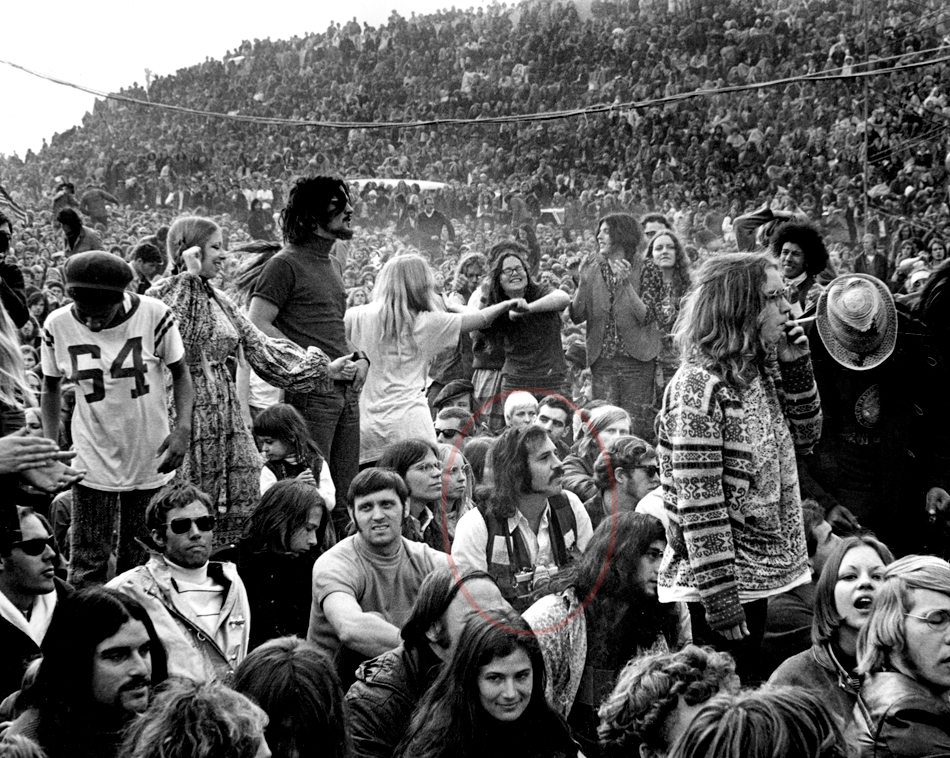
105,45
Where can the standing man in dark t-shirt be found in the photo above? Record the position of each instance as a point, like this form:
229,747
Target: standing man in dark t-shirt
300,296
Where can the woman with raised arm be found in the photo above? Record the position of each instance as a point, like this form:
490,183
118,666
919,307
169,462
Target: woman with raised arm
222,459
400,331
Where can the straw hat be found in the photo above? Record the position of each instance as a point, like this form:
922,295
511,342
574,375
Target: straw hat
857,321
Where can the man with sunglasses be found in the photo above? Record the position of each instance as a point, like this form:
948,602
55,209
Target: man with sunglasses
632,475
29,592
199,607
449,424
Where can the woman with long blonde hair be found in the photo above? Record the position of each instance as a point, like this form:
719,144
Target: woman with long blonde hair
222,459
400,331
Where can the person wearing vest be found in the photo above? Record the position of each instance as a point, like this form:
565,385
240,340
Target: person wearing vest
531,529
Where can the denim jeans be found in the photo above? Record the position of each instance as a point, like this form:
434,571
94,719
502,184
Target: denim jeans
92,528
334,421
551,382
629,384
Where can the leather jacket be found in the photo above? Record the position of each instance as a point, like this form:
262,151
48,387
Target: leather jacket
896,716
382,699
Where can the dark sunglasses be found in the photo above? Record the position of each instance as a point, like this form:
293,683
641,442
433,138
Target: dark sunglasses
651,471
36,546
183,525
448,433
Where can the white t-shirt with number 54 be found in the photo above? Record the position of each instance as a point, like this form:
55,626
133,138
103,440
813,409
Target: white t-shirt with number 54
121,418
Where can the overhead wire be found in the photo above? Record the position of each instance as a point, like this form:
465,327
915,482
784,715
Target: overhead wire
816,77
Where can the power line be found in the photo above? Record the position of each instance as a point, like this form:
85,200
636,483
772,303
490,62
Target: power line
823,76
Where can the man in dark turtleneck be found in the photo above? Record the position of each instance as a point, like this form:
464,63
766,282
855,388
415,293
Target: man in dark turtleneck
300,296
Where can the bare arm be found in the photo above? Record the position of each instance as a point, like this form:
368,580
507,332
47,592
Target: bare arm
50,406
263,314
555,300
366,633
472,319
176,444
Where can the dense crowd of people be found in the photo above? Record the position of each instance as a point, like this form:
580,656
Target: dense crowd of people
591,436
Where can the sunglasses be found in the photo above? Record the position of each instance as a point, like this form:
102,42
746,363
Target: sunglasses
449,434
183,525
651,471
36,546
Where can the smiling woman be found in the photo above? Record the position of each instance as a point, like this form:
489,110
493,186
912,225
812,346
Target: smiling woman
489,697
222,458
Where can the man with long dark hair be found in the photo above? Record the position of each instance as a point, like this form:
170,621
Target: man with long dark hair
101,660
531,527
608,615
300,296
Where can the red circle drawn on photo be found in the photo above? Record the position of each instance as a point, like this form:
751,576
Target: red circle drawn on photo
447,543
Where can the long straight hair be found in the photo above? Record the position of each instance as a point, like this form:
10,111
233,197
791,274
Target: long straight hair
404,289
600,418
450,719
15,390
626,232
497,255
826,620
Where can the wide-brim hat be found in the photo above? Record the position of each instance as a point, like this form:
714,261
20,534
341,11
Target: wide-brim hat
857,321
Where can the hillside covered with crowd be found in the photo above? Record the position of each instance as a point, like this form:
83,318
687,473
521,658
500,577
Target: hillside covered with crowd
702,160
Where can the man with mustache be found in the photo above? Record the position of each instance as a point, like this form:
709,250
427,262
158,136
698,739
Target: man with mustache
531,528
300,296
101,661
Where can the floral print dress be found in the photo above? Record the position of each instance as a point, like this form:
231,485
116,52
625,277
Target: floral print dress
222,459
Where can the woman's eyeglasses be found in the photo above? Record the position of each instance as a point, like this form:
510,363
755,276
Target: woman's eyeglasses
512,271
183,525
36,546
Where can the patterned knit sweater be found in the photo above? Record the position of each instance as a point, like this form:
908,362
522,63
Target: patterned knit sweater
730,485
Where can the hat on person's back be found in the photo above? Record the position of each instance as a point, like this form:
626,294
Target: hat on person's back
857,321
98,270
